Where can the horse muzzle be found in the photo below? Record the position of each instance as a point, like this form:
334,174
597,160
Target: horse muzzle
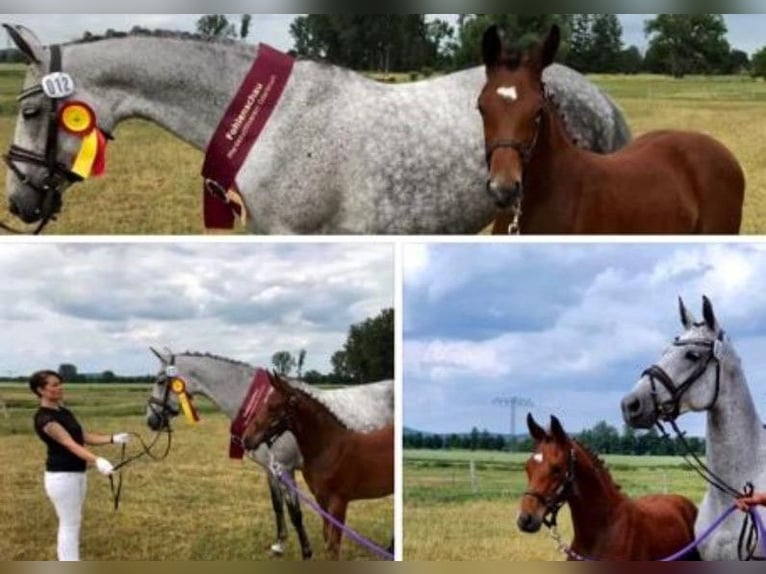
639,412
505,196
529,523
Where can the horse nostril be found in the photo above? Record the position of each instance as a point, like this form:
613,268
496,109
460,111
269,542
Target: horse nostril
525,522
631,405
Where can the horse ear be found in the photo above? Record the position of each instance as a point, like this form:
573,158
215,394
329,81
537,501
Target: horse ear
492,47
546,52
157,354
280,384
558,432
535,430
26,41
709,315
687,319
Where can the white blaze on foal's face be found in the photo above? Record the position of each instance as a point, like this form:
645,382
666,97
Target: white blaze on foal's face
508,93
538,458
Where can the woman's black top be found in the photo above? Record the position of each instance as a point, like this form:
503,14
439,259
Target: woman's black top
59,458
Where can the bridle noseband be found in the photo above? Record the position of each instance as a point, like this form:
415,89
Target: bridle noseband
670,410
57,173
553,503
524,149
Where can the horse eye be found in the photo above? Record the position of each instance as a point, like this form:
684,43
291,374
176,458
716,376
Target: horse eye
29,113
556,469
692,356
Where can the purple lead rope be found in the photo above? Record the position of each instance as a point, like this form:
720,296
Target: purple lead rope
704,536
358,538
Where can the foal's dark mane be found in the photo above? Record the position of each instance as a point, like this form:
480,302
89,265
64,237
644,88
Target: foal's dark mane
316,400
598,463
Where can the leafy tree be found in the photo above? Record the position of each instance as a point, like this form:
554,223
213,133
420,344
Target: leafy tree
631,61
581,42
300,362
758,64
283,362
738,63
369,349
606,45
340,366
67,371
216,27
244,26
681,44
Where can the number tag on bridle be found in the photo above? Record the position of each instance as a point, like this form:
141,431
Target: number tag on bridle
171,372
58,85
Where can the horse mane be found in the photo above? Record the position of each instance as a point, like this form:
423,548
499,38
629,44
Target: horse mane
598,463
215,357
159,33
311,394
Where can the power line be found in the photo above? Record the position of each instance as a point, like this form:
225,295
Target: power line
513,403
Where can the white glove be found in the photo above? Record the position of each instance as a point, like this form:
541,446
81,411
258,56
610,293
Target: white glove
104,466
121,438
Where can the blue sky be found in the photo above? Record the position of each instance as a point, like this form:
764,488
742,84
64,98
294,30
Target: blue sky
101,306
570,327
745,30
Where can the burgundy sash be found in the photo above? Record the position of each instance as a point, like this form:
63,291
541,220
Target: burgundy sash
259,392
238,131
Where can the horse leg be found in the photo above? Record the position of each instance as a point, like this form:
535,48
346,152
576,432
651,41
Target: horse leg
337,510
322,502
277,499
296,517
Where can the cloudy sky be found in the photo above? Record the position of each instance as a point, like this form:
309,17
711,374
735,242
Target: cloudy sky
745,30
570,327
102,306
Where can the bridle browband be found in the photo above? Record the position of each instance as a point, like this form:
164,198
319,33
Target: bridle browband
57,173
553,503
670,410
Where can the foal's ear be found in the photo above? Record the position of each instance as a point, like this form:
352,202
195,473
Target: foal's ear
558,432
26,41
535,430
544,55
687,319
280,384
492,47
709,315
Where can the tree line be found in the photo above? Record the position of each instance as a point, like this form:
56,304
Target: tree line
678,44
603,439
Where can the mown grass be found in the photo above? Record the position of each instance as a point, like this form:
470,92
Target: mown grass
450,516
152,185
196,505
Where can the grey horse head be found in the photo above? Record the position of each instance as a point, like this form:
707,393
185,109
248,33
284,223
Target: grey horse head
42,155
687,378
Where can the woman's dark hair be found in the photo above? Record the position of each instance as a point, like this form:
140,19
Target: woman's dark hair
40,379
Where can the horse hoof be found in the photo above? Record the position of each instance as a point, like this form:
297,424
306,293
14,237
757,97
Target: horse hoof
308,555
277,550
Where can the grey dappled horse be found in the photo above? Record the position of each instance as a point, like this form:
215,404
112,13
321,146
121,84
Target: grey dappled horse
703,373
342,154
226,383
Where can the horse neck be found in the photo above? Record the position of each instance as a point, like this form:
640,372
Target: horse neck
735,435
315,427
181,85
224,383
594,497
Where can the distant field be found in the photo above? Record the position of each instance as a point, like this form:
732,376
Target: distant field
152,184
450,516
196,505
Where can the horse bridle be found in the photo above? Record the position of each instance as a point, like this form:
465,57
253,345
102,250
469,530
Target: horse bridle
162,407
670,410
524,149
553,503
57,173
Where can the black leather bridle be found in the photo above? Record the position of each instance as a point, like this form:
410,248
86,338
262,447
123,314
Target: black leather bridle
524,149
671,409
57,173
162,407
553,503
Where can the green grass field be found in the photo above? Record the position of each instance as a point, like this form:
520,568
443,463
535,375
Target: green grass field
450,516
152,185
196,505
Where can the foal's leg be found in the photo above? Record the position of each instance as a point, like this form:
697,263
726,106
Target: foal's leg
337,510
278,548
296,516
322,502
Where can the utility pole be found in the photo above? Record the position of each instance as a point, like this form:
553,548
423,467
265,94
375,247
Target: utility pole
512,403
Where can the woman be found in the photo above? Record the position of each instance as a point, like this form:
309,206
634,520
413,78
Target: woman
65,481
